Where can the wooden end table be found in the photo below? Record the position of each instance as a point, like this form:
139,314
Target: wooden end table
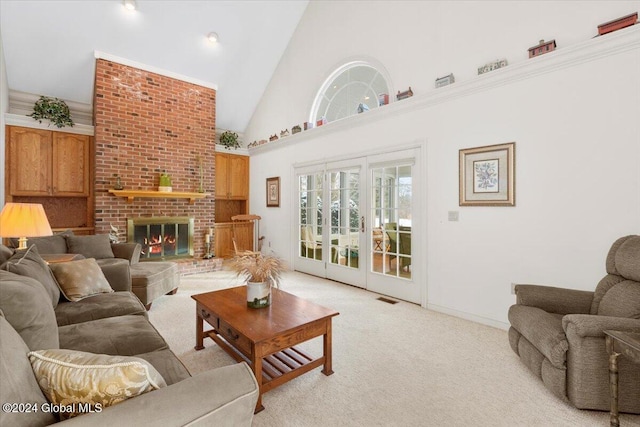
265,337
627,344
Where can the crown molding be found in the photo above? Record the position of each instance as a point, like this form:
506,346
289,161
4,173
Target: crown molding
152,69
21,103
598,47
28,122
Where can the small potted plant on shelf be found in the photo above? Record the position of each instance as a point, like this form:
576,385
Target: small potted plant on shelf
53,109
229,139
261,272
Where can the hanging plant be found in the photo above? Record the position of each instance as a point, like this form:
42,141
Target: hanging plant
53,109
229,139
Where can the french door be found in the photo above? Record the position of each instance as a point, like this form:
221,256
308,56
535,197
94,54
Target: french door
331,221
356,223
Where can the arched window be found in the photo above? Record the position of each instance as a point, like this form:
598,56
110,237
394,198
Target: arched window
353,88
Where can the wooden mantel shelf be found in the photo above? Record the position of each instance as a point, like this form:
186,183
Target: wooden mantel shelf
132,194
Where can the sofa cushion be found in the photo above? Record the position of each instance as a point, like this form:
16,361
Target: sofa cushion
80,279
97,246
169,366
69,377
18,384
621,300
56,244
543,330
28,262
98,307
128,335
27,307
117,272
5,253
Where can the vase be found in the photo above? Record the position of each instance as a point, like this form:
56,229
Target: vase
258,294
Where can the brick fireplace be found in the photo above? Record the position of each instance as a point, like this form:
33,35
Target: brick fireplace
146,124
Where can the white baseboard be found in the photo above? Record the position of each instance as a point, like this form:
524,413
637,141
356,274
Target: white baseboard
469,316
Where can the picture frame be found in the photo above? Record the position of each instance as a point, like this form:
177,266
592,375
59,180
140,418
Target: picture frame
487,175
273,192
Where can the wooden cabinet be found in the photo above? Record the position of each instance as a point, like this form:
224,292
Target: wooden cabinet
232,177
52,168
47,163
232,198
223,238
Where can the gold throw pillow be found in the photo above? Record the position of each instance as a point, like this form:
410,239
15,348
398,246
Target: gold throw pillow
80,279
77,382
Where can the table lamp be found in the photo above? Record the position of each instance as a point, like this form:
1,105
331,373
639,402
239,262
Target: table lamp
24,220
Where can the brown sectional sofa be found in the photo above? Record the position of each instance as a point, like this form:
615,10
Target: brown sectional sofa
114,323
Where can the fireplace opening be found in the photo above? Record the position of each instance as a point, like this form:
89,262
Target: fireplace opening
162,237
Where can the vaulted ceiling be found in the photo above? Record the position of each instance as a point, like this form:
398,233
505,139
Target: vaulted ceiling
49,46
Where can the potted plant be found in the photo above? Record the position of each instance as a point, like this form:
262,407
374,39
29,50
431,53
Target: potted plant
229,139
261,272
53,109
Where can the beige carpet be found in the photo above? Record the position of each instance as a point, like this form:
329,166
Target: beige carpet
395,365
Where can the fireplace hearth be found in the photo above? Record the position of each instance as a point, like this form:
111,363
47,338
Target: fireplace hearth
162,238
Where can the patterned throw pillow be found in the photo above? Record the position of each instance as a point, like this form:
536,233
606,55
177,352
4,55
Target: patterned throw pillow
81,382
80,279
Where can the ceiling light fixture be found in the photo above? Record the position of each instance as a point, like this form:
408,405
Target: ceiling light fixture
129,5
212,37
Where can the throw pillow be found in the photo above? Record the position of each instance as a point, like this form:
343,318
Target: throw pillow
81,381
28,262
97,246
80,279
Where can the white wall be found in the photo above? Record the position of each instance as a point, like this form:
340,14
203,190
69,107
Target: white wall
575,126
4,107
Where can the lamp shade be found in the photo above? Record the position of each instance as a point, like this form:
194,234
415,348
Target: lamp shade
24,220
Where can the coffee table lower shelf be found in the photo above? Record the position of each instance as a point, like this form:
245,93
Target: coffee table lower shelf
277,368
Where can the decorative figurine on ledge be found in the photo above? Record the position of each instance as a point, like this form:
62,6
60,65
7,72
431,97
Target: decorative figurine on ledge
308,125
618,24
444,81
383,99
542,48
284,133
296,129
273,137
404,95
492,66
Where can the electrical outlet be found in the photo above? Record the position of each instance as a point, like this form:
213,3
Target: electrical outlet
453,215
513,288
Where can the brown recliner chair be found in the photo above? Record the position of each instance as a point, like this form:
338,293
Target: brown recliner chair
558,333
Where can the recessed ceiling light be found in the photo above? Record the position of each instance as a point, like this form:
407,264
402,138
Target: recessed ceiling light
212,37
129,4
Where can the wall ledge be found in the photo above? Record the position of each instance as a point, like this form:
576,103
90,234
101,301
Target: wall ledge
29,122
596,48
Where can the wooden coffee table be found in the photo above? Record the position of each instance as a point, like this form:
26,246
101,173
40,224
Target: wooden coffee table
265,337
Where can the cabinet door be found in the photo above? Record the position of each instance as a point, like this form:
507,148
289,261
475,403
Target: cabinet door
70,164
239,177
223,243
29,162
222,176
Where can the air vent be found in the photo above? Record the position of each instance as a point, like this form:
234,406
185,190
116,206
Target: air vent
387,300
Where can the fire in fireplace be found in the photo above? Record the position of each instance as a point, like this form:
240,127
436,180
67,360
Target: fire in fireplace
162,237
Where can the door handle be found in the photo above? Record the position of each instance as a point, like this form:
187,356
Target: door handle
362,224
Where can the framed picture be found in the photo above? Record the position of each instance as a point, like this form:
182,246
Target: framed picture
487,175
273,192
